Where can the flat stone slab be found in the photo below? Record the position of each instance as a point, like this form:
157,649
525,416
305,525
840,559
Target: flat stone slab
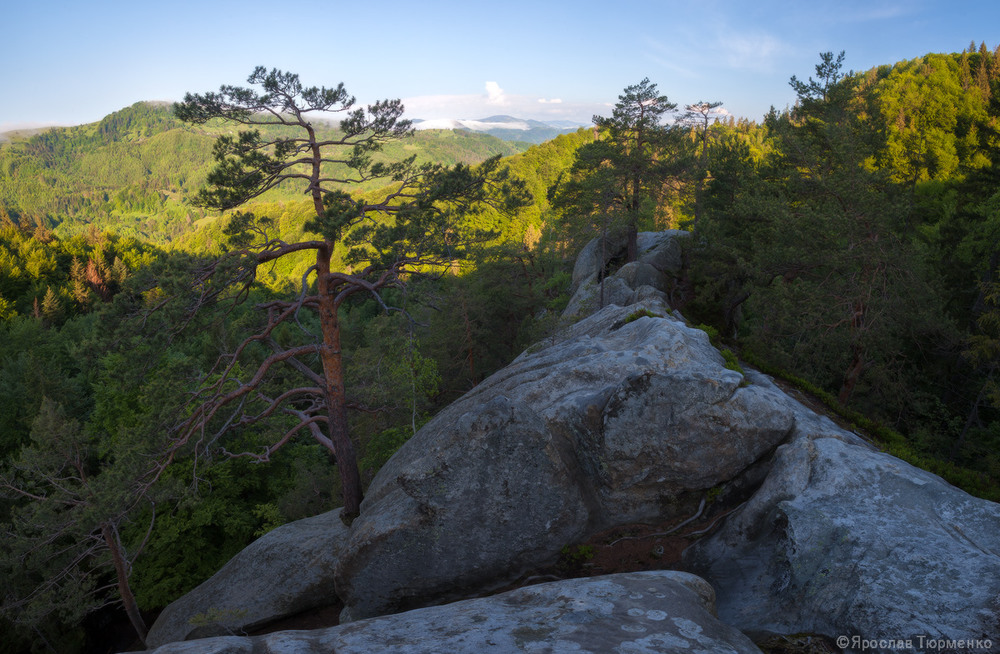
643,612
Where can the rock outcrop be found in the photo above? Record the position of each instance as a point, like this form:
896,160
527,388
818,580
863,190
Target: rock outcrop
841,540
659,261
286,571
643,612
630,417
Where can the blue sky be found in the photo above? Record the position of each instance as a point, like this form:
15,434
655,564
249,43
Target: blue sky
70,62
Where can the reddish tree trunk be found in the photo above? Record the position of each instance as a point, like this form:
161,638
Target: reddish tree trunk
121,571
334,392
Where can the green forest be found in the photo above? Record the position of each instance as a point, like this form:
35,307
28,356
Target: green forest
158,266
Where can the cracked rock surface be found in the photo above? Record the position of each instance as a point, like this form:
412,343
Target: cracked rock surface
618,420
843,540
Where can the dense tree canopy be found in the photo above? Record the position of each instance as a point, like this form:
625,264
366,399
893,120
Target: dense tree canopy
833,232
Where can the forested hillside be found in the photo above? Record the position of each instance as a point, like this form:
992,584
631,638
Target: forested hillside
134,171
848,244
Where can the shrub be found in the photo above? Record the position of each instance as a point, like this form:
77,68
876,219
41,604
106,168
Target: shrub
641,313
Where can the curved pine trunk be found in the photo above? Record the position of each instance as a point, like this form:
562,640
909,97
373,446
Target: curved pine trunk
124,590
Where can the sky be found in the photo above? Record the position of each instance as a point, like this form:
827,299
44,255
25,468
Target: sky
68,62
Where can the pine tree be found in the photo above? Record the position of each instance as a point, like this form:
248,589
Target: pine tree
698,115
52,310
415,224
965,72
638,139
78,276
619,177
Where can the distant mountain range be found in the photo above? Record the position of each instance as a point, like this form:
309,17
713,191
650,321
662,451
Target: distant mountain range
506,128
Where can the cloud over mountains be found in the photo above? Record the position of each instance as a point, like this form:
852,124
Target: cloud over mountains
543,109
507,128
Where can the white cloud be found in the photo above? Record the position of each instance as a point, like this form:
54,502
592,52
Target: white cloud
439,123
495,94
474,125
871,12
497,101
723,47
751,51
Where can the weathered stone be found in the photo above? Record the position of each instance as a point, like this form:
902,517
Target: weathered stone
662,250
659,259
593,257
587,298
647,294
638,274
483,489
844,540
284,572
702,428
643,612
543,453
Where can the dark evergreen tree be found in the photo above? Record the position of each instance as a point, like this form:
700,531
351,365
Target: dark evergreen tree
65,531
635,149
832,285
415,223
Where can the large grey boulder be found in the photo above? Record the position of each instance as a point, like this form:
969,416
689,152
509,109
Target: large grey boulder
587,298
284,572
621,420
639,273
648,294
710,429
659,260
476,493
594,257
644,612
662,250
842,540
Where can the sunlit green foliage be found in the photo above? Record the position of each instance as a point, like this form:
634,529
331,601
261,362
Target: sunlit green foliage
136,170
832,237
618,181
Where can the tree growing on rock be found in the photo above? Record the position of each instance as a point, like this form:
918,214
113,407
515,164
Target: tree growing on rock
636,144
415,224
617,179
